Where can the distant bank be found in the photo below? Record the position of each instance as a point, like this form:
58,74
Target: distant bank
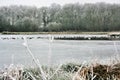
29,33
72,35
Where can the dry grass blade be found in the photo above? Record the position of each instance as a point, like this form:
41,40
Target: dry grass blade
55,71
35,60
76,75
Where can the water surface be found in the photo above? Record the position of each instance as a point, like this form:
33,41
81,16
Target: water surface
56,52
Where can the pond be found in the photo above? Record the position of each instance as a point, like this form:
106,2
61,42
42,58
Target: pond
12,51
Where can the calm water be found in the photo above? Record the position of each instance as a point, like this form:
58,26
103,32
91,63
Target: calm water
56,52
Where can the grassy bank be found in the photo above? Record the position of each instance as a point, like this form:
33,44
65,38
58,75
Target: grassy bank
29,33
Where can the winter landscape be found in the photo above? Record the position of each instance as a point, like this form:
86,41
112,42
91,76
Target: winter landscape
59,40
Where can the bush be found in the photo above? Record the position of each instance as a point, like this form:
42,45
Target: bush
70,67
53,26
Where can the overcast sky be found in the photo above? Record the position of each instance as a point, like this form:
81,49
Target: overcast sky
40,3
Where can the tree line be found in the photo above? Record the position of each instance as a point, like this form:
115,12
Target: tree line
69,17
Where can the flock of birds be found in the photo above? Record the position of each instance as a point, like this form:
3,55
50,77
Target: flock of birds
16,38
50,37
10,37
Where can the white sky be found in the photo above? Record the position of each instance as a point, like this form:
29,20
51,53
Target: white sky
40,3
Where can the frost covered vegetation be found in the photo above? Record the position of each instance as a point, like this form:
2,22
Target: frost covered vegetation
70,17
69,71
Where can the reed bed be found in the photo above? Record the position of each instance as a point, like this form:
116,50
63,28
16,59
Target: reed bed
83,38
70,71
